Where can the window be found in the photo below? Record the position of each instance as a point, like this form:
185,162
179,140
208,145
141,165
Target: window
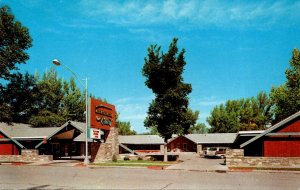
73,147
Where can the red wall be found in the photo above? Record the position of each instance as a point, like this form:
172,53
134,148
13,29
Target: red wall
173,145
282,147
8,148
293,127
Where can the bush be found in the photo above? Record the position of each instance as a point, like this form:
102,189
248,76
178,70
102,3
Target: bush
114,158
140,158
126,158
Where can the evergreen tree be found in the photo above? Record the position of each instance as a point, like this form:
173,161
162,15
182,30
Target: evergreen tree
19,98
50,101
168,112
73,103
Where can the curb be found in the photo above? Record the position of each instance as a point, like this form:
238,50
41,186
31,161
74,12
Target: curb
262,170
125,167
195,170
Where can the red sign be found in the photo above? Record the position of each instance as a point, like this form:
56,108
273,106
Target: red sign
102,115
96,133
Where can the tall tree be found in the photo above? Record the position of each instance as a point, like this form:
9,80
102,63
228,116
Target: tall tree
73,103
19,97
286,97
50,101
168,112
244,114
5,108
14,40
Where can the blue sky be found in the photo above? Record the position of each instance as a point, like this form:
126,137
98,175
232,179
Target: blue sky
234,49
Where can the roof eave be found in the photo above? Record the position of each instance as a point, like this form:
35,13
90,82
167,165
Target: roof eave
274,127
15,141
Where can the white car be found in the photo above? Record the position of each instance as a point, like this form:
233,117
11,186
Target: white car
215,152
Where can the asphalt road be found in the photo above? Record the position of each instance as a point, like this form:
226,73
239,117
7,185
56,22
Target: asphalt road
59,177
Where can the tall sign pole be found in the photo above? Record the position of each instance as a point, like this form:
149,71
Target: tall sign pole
86,159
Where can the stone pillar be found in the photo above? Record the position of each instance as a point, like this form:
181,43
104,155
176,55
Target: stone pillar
109,148
199,149
162,149
234,157
29,152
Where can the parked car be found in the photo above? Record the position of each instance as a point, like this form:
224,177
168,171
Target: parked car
219,152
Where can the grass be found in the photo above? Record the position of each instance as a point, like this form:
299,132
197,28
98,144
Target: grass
135,163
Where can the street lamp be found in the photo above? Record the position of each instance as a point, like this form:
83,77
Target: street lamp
58,63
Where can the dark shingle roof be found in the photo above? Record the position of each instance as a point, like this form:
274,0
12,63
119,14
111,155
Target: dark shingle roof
24,131
20,130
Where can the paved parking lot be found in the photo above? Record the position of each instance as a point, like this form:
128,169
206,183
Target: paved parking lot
193,162
60,177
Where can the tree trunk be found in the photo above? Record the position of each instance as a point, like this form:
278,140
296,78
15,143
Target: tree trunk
165,151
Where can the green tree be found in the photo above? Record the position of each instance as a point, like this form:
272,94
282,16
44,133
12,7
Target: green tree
20,103
224,118
153,131
5,109
243,114
46,118
168,112
73,103
14,40
199,128
286,97
125,128
50,101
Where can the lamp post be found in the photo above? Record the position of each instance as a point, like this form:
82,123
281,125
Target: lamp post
58,63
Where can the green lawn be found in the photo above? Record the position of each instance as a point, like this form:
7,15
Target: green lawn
138,163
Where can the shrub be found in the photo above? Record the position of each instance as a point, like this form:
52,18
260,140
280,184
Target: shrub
114,158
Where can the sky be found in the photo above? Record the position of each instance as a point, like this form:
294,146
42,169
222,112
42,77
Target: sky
234,49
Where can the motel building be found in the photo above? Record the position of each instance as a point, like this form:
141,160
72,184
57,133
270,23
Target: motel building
278,146
67,141
187,143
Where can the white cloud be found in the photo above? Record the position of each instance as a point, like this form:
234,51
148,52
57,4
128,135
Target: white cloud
208,101
134,110
192,12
